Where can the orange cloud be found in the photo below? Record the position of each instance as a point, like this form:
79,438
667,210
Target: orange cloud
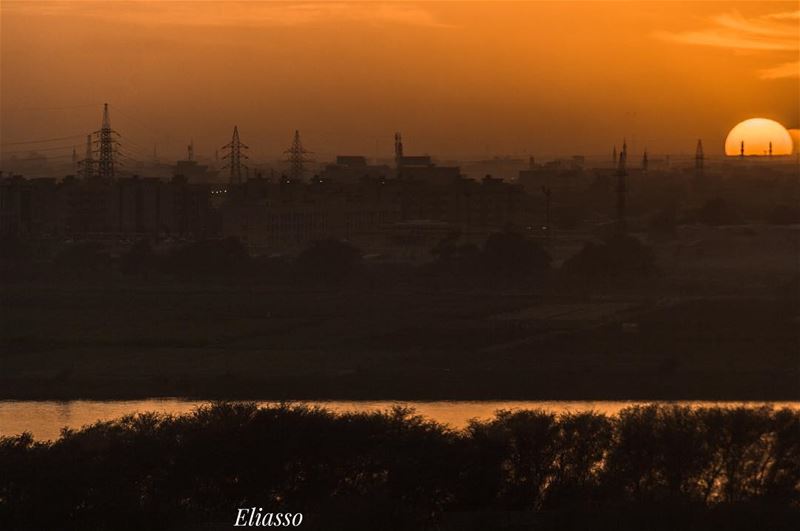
774,32
242,13
783,71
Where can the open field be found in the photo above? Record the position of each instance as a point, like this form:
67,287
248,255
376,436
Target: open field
284,344
721,323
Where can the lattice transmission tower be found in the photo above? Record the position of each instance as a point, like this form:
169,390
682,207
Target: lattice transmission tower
233,153
86,165
107,143
297,159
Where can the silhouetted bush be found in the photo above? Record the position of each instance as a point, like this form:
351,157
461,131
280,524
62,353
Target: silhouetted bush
454,257
512,255
620,256
504,256
651,467
330,261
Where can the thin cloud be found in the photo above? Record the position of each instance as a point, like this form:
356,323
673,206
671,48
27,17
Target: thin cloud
242,14
784,71
789,15
774,32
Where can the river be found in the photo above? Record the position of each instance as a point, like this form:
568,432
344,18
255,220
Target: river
45,419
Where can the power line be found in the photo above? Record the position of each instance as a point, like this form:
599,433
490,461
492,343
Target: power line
49,157
37,150
68,107
43,141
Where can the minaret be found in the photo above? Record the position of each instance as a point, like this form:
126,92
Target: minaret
398,150
190,149
770,148
622,189
644,161
614,155
699,159
741,149
74,159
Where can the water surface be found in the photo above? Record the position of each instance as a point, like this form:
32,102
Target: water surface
45,419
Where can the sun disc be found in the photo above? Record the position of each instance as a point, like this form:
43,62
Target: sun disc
758,137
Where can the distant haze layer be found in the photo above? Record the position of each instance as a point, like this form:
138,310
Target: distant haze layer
458,79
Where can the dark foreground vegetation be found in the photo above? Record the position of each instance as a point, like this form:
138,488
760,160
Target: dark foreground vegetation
650,467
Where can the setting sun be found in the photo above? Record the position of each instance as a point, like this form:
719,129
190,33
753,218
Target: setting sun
758,136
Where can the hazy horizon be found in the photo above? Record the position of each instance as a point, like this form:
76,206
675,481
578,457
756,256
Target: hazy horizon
458,79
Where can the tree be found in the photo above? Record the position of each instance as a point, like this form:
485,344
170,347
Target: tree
331,261
511,255
617,257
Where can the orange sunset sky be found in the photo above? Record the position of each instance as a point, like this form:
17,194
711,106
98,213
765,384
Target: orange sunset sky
457,78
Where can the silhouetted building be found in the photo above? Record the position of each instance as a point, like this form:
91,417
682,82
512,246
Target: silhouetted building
99,208
288,215
349,169
560,175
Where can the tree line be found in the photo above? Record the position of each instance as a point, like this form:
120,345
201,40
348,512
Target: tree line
505,257
649,467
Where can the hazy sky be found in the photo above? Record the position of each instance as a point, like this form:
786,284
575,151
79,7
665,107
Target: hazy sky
457,78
